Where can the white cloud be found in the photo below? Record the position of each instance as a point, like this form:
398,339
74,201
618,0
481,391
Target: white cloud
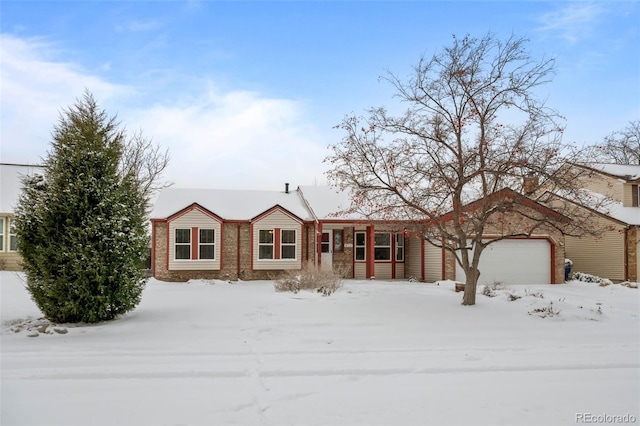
35,88
223,139
573,21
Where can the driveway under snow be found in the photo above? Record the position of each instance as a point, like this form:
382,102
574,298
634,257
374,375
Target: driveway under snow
374,353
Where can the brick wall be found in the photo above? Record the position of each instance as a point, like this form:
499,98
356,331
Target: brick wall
236,259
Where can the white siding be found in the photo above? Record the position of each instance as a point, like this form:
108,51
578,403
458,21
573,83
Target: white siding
277,219
638,256
432,263
382,271
413,260
194,218
360,271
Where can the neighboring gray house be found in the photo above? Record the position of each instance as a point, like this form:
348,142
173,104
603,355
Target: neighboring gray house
10,187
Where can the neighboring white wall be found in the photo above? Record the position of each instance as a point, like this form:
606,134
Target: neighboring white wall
198,219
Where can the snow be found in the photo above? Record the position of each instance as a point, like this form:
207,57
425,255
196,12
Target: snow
623,171
228,204
307,202
373,353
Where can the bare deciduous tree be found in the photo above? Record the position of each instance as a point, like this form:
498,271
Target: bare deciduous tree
458,162
621,147
145,162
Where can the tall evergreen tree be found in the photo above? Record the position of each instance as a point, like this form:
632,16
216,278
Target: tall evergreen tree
81,227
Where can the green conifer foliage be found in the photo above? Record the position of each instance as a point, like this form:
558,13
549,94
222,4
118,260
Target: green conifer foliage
81,227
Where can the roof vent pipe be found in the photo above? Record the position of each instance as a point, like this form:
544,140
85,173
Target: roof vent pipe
286,188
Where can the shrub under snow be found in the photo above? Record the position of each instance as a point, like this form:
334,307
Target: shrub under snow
325,282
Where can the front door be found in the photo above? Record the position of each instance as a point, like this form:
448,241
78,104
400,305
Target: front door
326,256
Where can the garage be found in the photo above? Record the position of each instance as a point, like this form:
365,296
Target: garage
514,261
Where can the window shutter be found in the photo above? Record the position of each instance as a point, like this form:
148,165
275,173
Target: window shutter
634,195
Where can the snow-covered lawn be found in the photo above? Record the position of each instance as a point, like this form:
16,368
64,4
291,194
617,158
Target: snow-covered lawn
374,353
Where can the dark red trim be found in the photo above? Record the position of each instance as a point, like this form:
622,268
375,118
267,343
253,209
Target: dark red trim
195,243
276,243
277,207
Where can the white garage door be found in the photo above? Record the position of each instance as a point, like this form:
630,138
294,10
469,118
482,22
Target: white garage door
516,261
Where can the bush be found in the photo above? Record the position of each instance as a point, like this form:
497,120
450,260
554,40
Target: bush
325,282
491,290
588,278
547,311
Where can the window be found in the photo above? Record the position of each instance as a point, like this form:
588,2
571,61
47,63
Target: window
265,244
324,245
399,247
382,249
635,193
183,244
13,238
360,246
338,238
288,244
1,233
207,244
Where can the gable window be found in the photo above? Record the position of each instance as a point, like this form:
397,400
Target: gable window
206,246
265,244
360,246
635,194
399,247
288,244
382,249
1,233
183,244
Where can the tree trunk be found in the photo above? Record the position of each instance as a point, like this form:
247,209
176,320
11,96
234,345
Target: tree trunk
469,295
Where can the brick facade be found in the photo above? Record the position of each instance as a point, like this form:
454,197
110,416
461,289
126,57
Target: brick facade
236,255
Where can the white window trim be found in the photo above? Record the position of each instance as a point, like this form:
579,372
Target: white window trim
272,244
2,242
12,235
212,244
376,246
294,245
399,243
176,243
356,246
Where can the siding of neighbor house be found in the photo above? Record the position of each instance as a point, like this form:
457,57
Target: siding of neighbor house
189,220
602,256
276,220
606,185
10,260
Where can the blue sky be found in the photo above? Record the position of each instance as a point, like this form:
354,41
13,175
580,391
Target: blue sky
246,94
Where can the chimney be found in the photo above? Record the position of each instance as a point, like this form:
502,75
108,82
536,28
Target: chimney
286,188
530,184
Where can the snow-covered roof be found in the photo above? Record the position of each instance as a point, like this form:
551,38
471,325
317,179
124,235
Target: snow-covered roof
11,185
628,215
623,171
227,203
326,201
